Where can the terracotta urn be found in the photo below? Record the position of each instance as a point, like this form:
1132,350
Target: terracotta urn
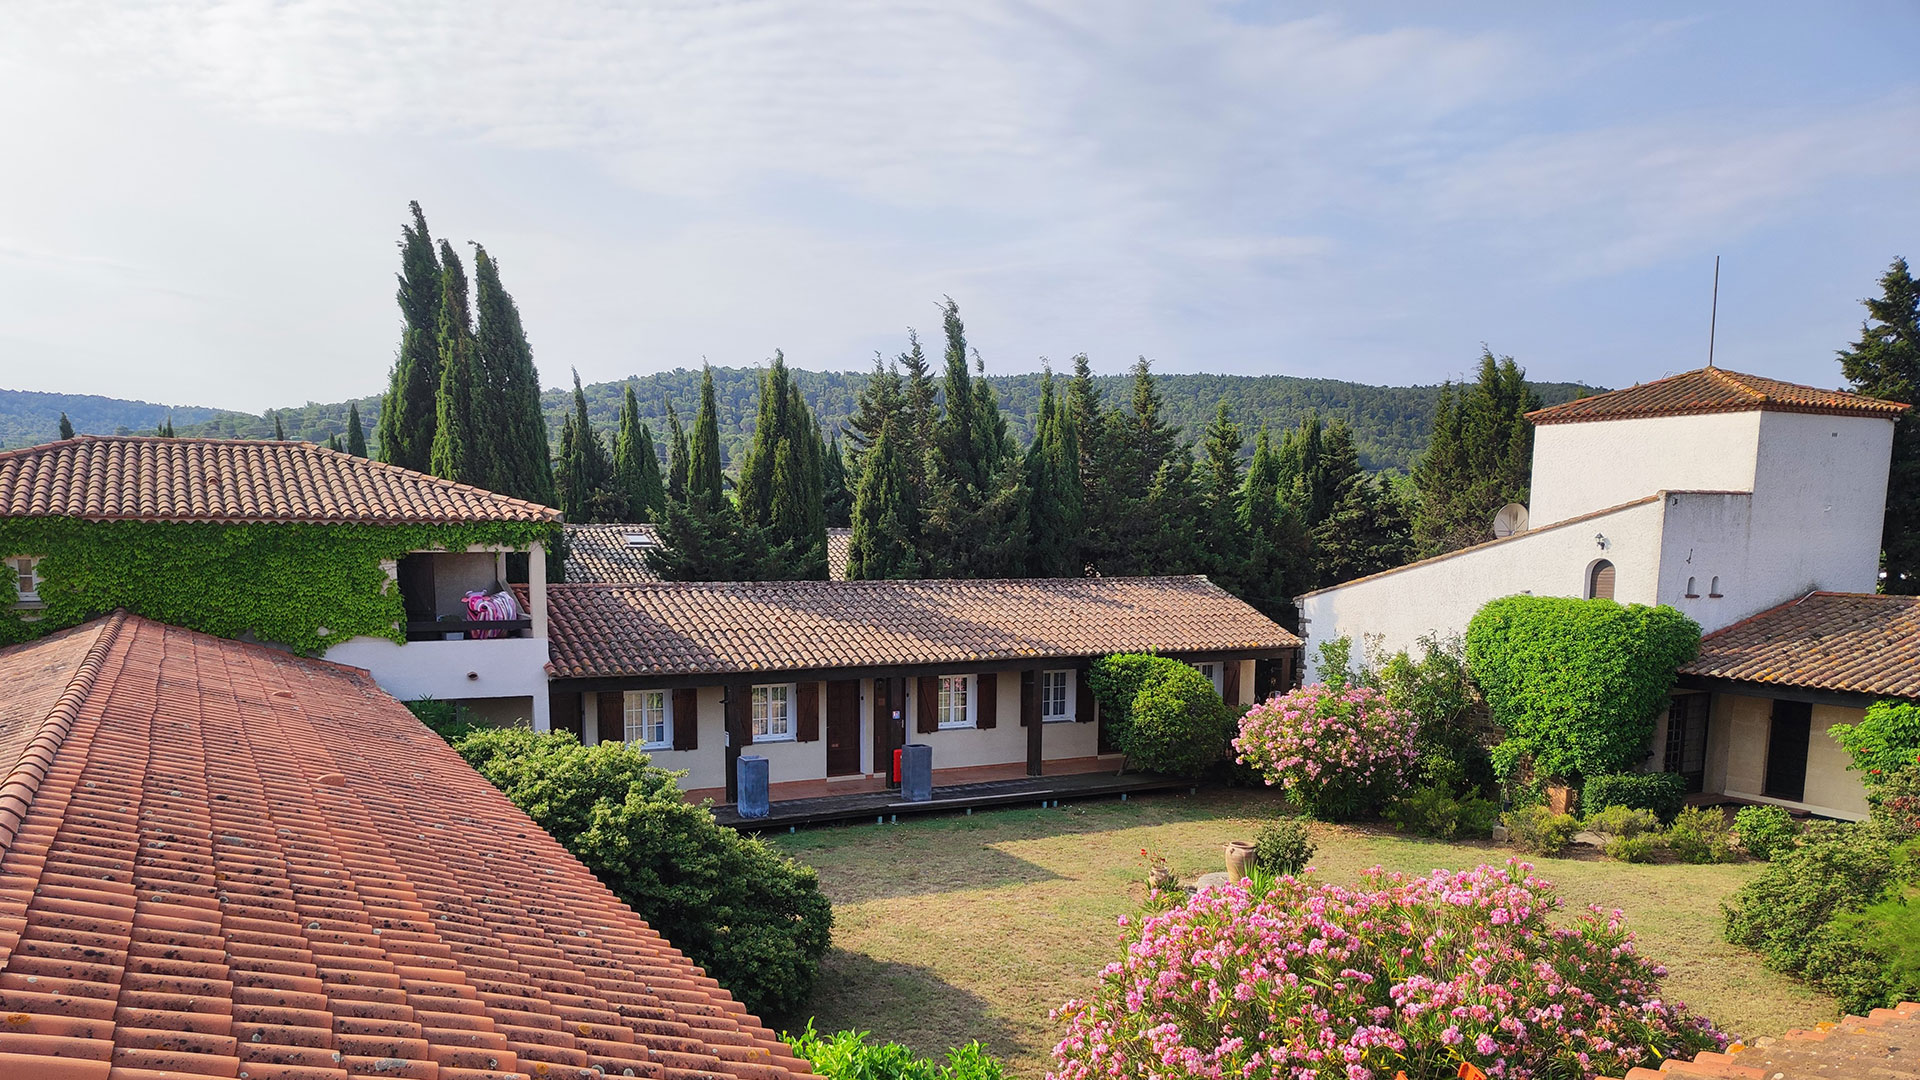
1239,859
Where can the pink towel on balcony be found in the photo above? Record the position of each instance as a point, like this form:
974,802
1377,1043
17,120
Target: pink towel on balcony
491,607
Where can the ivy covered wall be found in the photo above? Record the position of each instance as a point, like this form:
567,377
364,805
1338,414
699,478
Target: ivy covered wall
305,586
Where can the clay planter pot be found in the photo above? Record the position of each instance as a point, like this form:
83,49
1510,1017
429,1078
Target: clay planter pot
1239,859
1561,798
1160,877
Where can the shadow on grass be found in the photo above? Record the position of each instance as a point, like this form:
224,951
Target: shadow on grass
903,1003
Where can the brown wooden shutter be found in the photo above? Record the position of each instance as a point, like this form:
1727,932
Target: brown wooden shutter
612,716
1083,698
1601,585
1029,698
1230,681
926,705
987,713
686,719
564,707
807,723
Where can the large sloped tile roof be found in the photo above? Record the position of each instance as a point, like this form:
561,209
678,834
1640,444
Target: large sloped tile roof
1713,390
1844,642
686,628
220,860
616,554
139,478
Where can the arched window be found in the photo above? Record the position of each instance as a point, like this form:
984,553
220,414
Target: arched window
1713,587
1600,580
1690,591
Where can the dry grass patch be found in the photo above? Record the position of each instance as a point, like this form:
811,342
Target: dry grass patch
956,928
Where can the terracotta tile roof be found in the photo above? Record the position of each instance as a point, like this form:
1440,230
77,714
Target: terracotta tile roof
1883,1043
610,553
220,860
1847,642
1713,390
137,478
684,628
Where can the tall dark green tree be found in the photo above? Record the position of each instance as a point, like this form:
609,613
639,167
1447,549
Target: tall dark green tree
886,510
636,463
279,428
1126,532
837,497
165,429
782,486
706,487
410,410
356,435
1366,531
517,460
66,427
1885,363
1054,516
1220,448
1278,547
976,501
703,537
679,454
963,442
585,484
1478,459
458,451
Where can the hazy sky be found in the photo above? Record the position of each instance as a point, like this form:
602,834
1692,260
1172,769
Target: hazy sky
199,202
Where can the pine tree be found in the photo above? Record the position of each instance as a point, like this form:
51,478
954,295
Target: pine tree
960,439
457,450
837,499
585,484
1277,543
279,429
1479,457
1885,363
880,399
918,393
1366,532
66,427
1127,535
1219,480
677,458
705,487
1053,484
781,482
886,512
410,410
636,463
506,404
356,435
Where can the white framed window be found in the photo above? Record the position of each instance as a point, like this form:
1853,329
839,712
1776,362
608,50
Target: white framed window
26,571
773,713
1215,675
955,707
649,715
1056,695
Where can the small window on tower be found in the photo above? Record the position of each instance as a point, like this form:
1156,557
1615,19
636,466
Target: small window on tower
1691,595
1713,587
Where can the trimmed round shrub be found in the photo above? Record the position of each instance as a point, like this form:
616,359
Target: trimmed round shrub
1337,753
1162,713
1578,681
755,919
1284,847
1539,830
1401,975
1664,793
1764,831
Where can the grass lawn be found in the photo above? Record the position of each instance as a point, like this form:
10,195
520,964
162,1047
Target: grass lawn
955,928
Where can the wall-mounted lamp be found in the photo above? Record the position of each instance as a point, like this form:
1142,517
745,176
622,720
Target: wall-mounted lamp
1600,539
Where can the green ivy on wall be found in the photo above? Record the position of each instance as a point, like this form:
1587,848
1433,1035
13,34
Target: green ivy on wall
306,586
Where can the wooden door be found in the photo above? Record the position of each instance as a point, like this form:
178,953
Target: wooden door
843,727
889,723
1686,750
738,710
1787,751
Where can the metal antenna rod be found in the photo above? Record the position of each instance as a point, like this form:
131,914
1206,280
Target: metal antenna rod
1713,322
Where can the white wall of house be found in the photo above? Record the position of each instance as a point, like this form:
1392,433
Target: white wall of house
1582,467
1819,502
1737,757
1441,595
1705,541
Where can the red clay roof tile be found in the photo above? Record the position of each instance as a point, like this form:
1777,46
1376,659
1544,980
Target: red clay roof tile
138,478
1846,642
1713,390
182,893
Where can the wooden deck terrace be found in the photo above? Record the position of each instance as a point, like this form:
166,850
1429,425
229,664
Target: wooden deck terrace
887,806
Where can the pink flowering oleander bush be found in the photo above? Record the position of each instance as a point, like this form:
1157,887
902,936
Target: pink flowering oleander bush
1414,975
1338,752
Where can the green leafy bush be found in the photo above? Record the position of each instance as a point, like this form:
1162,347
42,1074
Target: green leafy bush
753,918
1432,809
442,716
1700,834
851,1055
1284,847
1885,741
1437,690
1633,849
1540,830
1764,831
1835,868
1622,821
1663,793
1162,714
1869,959
1581,681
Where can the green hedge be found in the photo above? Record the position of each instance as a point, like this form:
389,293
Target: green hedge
852,1055
1578,683
1663,793
1162,713
308,587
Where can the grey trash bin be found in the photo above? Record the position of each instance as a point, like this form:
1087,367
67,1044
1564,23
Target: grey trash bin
916,772
752,773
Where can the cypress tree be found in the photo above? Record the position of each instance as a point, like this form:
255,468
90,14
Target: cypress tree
333,443
279,429
636,463
457,451
356,435
1479,458
1885,363
1220,462
1217,531
960,438
585,485
410,409
1053,485
885,511
677,458
164,429
66,427
1276,538
1367,531
517,459
837,499
781,482
919,437
705,488
880,399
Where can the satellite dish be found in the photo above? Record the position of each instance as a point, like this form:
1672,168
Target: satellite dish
1509,519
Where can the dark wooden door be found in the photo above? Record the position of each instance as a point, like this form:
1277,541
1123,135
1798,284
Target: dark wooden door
739,718
889,724
1787,751
843,727
1686,751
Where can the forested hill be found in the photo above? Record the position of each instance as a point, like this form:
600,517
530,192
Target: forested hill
1390,422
